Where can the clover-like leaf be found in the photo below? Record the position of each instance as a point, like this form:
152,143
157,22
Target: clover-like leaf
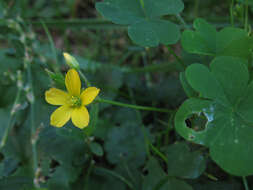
158,179
227,103
184,163
207,41
120,149
143,17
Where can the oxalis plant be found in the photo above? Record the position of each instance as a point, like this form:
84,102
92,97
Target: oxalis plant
219,90
63,129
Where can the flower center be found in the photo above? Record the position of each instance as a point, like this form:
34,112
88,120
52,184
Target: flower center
75,101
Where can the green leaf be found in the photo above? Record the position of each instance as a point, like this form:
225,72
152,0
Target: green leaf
58,145
62,177
120,11
120,148
186,86
157,179
227,106
4,118
162,7
184,163
102,178
17,183
96,149
146,28
207,41
94,119
8,166
151,33
231,184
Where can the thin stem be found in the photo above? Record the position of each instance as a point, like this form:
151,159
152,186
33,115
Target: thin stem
196,8
185,26
63,24
129,173
89,170
142,3
146,139
231,13
133,106
10,123
245,183
246,15
34,135
84,78
161,155
176,57
114,174
49,36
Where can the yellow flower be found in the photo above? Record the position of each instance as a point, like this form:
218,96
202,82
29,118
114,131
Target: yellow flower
72,103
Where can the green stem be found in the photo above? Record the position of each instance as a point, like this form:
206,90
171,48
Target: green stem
176,57
246,15
53,49
112,173
196,8
34,135
129,173
245,183
10,123
231,13
185,26
89,170
133,106
146,139
142,3
64,24
161,155
84,78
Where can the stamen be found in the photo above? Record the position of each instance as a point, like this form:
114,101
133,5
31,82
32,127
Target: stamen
75,101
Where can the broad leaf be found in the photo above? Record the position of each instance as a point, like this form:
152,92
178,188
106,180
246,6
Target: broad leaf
226,101
126,144
207,41
145,27
157,179
184,163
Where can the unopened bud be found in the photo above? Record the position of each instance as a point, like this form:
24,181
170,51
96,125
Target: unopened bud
71,61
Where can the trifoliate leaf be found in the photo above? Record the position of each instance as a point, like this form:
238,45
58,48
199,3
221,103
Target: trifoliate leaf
126,144
227,103
184,163
145,27
157,179
207,41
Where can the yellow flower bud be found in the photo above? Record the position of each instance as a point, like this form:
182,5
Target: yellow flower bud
71,61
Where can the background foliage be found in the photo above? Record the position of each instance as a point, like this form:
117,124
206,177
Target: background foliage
191,57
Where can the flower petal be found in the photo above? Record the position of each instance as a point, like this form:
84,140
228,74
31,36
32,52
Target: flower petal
61,116
55,96
89,94
80,117
72,82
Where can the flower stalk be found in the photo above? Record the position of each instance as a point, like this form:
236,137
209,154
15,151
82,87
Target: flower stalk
100,100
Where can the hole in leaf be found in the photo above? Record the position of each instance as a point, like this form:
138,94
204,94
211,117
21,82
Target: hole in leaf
196,122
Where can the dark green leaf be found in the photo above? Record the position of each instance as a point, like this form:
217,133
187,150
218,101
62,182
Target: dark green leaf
228,131
207,41
145,26
157,179
126,143
184,163
186,86
17,183
96,149
162,7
